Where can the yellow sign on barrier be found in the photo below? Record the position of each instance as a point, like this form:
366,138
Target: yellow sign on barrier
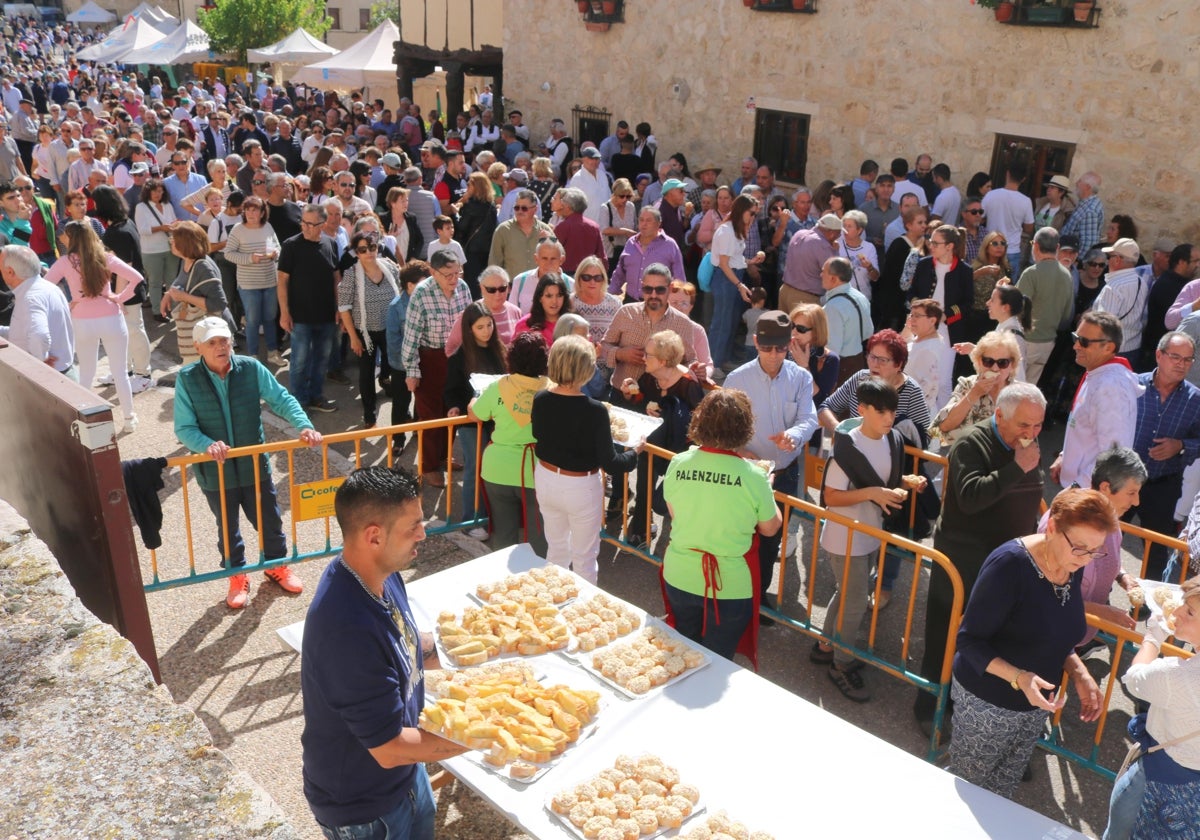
315,499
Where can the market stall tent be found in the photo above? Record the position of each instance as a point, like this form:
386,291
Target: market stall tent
367,64
297,48
90,13
156,12
186,44
137,34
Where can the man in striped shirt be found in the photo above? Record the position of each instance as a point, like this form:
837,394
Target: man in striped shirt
435,304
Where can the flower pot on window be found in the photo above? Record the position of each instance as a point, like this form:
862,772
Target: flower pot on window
609,7
749,4
1083,10
598,27
582,5
800,5
1004,12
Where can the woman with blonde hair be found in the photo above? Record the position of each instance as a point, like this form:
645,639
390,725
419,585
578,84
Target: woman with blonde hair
474,227
996,357
96,311
810,334
543,184
574,444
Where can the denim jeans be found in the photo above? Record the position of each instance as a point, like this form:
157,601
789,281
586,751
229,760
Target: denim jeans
310,353
261,307
785,481
468,439
721,637
727,308
412,819
1014,262
1125,802
274,544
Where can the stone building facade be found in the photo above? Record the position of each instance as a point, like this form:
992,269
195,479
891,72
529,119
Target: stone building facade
883,78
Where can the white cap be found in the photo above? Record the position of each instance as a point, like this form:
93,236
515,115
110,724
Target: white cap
208,328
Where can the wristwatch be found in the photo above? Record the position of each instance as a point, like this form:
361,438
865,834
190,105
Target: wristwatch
1013,681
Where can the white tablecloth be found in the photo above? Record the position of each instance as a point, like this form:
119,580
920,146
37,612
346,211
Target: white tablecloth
771,759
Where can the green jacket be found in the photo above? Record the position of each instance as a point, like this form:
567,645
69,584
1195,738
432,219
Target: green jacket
245,416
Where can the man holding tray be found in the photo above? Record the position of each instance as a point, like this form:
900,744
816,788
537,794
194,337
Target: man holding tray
363,671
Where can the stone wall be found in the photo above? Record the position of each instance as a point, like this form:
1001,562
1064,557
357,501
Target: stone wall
89,746
886,78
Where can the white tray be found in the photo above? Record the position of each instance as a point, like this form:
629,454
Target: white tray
640,426
476,756
1150,586
450,665
571,829
480,381
585,660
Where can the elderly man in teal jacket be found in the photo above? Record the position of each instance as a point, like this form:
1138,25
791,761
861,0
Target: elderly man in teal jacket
217,408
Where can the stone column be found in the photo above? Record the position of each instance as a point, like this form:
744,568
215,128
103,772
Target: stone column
404,78
501,112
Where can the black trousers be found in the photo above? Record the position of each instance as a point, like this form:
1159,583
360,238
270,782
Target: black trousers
1156,512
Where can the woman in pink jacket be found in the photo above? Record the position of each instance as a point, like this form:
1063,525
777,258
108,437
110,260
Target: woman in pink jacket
96,308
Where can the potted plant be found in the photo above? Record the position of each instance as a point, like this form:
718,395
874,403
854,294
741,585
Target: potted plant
609,7
1002,8
1046,11
583,6
1083,10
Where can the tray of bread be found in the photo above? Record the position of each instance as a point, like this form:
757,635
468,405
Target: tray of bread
480,381
551,583
530,626
599,620
515,724
639,797
629,428
720,824
648,661
1162,598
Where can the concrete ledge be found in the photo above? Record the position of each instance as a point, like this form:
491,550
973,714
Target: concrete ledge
89,745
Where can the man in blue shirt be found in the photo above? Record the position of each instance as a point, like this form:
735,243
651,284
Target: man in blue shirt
40,317
362,668
1167,439
181,183
217,408
780,392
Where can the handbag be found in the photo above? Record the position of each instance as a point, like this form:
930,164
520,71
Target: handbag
1137,752
704,272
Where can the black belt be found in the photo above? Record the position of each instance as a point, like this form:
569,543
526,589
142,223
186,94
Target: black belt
1164,478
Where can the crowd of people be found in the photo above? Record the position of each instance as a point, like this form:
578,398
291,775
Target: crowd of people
313,231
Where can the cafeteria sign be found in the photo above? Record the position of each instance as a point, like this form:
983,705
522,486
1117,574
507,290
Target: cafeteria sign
315,499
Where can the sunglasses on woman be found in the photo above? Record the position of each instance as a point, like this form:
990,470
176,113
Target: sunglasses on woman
1002,364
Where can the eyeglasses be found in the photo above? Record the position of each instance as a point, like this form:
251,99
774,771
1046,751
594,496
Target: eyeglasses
522,208
1085,343
1174,357
1079,550
179,163
1002,364
973,212
654,290
366,249
800,328
590,278
772,348
1095,264
881,360
1000,243
624,195
936,242
307,223
25,189
495,290
257,183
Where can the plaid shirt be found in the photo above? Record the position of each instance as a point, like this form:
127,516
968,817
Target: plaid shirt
631,326
1086,223
430,316
152,134
1178,416
973,244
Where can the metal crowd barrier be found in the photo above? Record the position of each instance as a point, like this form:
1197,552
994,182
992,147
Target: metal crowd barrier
1120,641
893,545
315,490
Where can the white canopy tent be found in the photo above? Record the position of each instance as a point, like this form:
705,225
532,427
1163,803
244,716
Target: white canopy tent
90,13
186,44
156,12
135,35
367,64
297,48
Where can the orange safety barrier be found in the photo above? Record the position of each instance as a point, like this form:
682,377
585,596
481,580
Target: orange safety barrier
895,545
289,449
1123,640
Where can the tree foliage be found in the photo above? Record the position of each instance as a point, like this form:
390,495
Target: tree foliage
382,10
235,26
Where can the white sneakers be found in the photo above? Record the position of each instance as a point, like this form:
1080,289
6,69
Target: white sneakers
131,423
139,383
275,357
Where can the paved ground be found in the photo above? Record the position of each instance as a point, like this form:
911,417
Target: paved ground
233,671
